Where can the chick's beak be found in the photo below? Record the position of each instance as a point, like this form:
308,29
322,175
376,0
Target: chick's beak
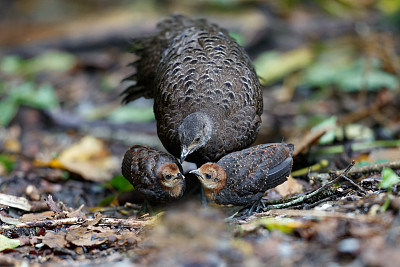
196,172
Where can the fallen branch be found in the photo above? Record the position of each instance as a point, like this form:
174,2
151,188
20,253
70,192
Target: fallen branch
290,213
80,221
301,199
373,168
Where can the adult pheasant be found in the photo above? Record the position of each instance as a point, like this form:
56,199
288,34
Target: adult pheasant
208,99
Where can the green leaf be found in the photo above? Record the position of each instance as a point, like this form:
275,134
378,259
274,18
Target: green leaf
131,114
272,66
238,37
354,80
348,76
7,161
7,243
120,183
42,97
389,178
389,6
8,109
362,163
285,225
2,87
354,131
50,61
319,75
330,135
11,64
106,201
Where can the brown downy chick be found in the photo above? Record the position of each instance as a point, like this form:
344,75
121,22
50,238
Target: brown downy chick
241,178
155,174
207,97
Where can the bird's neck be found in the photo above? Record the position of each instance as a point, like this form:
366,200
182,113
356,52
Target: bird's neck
210,193
174,191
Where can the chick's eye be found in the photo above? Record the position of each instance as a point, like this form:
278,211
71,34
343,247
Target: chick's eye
197,139
208,176
168,176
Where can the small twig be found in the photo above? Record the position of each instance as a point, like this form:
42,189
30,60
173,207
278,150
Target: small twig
337,149
354,184
290,213
373,168
52,205
312,194
314,204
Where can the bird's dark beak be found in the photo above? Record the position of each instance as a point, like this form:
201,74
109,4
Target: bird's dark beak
184,153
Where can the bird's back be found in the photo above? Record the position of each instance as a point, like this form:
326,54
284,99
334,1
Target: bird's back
204,69
140,166
252,171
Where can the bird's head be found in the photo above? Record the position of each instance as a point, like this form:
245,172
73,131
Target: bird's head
171,179
212,177
194,133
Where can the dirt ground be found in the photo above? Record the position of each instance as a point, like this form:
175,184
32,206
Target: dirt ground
330,72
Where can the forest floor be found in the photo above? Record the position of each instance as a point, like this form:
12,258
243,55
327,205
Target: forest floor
330,75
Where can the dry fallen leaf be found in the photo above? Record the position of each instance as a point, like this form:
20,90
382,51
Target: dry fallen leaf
290,187
286,225
302,144
33,217
15,202
55,240
89,158
8,243
390,154
82,236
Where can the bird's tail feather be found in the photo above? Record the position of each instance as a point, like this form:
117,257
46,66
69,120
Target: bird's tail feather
140,83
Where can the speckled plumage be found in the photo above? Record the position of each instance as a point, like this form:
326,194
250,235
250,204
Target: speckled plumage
147,170
243,177
193,66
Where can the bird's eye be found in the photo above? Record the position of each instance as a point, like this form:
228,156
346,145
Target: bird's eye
208,176
168,176
197,139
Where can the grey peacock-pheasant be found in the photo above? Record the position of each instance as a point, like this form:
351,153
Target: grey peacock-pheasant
207,97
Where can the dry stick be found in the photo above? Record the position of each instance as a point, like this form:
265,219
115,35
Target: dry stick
312,205
354,184
78,220
312,194
372,168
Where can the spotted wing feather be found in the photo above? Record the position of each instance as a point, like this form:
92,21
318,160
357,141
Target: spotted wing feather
140,166
253,171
